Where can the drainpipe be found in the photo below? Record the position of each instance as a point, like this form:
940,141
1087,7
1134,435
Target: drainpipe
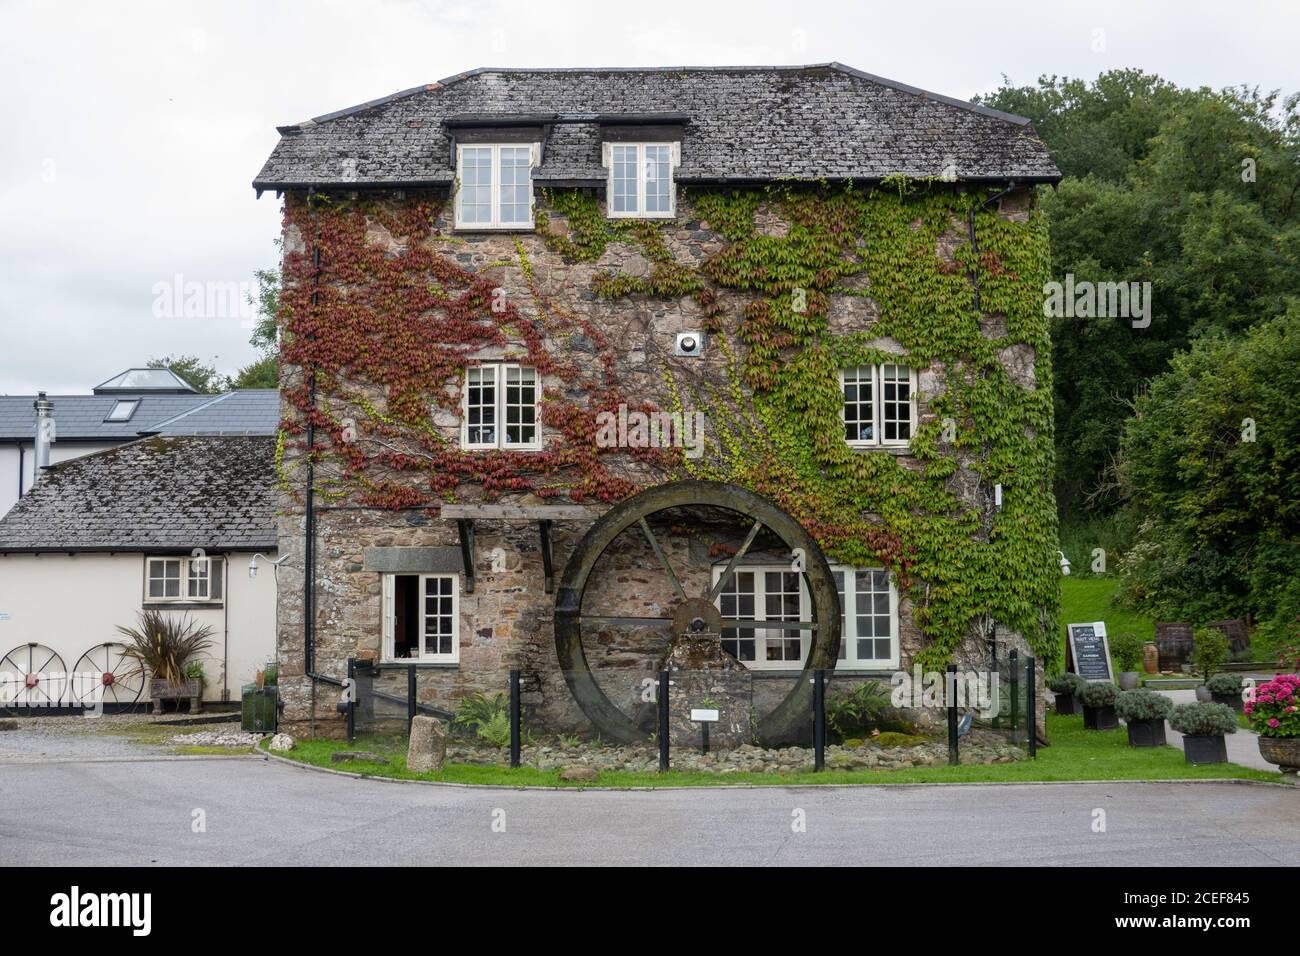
22,454
974,241
309,529
45,436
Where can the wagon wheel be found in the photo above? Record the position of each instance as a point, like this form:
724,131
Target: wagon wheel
33,675
107,666
791,718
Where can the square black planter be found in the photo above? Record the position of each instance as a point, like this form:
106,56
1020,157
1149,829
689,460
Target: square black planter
1067,704
1146,733
1229,700
1201,750
1099,718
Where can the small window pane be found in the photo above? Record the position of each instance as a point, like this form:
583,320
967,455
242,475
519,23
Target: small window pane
736,601
896,403
859,412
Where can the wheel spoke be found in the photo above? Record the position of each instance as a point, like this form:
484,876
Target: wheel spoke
627,621
735,559
663,558
771,625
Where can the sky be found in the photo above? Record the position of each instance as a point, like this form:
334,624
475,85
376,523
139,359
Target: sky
130,132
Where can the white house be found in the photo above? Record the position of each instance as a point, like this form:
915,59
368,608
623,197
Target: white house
171,521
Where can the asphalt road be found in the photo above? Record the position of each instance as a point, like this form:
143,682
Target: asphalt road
253,811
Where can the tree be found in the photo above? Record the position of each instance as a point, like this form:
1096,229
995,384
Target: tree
1209,473
201,376
1195,191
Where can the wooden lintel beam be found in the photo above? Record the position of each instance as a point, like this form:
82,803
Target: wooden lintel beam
545,512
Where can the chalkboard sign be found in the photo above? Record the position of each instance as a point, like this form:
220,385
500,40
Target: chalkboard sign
1090,651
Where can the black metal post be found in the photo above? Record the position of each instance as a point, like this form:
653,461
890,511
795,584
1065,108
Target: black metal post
704,736
950,691
995,687
819,719
352,704
663,721
1014,659
410,697
1031,705
514,718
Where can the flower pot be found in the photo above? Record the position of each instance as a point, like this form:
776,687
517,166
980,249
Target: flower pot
1067,704
1151,657
191,689
1283,751
1128,680
1229,700
1099,718
1203,694
1146,733
1202,750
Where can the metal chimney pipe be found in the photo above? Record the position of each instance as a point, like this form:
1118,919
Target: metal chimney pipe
45,435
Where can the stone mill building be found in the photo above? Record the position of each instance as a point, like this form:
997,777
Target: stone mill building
586,371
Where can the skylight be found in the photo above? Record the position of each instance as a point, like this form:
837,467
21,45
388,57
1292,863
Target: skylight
123,409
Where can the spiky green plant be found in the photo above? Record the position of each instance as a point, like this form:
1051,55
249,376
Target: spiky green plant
163,644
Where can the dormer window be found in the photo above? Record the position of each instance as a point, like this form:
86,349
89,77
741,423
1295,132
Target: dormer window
496,185
640,184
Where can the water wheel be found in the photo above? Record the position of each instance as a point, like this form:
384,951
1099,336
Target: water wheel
105,673
694,609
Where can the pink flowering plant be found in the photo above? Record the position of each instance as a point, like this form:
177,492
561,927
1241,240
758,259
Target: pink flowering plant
1275,709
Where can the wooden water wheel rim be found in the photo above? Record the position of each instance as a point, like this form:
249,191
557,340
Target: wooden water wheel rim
791,719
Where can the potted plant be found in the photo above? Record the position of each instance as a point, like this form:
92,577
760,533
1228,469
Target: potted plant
1209,650
1203,727
1067,686
1144,712
164,647
1225,689
1274,713
1126,651
1099,706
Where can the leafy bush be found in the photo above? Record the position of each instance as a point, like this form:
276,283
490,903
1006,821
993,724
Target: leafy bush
1213,495
194,671
1275,709
163,645
1143,705
1099,695
1209,650
1066,682
1204,720
486,716
855,709
1224,684
1126,650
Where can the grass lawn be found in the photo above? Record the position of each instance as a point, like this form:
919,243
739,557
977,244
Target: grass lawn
1088,599
1075,754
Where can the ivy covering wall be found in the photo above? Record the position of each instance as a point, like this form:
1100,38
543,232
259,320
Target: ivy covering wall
407,320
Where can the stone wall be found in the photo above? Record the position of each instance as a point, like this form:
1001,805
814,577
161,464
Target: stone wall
507,621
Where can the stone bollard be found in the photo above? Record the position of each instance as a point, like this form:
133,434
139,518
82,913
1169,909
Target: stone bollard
428,745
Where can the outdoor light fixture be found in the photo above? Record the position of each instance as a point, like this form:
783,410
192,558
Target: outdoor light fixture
252,565
1065,564
689,343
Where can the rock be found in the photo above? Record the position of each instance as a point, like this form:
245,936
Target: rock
579,775
280,742
356,756
427,749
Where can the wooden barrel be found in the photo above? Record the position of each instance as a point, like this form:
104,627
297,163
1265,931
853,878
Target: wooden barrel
1174,644
1236,633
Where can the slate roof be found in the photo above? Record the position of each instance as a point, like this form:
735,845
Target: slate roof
160,493
745,124
81,417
